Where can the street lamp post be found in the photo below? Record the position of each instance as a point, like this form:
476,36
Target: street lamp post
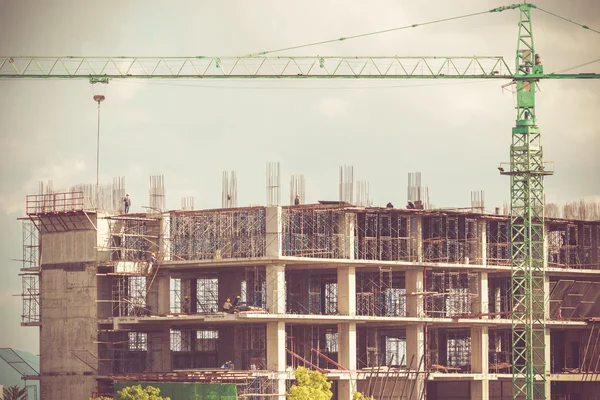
99,99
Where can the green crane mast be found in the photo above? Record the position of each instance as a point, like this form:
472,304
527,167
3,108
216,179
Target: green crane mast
526,168
527,225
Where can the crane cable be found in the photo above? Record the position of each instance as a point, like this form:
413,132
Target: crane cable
581,26
568,20
341,39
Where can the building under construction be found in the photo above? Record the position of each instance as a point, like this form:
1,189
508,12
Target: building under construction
392,302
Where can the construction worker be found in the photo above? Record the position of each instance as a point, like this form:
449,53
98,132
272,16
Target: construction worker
227,306
127,203
297,200
389,205
226,365
186,305
237,301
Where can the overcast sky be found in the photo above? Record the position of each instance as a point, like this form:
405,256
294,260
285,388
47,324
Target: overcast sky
455,133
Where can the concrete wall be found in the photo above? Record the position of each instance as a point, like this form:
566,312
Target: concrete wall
68,315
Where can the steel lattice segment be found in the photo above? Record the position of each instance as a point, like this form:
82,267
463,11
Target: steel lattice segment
527,226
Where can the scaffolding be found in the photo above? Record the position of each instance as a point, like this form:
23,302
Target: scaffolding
194,348
451,239
297,189
381,347
255,293
127,352
30,293
573,245
130,297
383,236
498,242
216,234
451,293
315,232
313,292
253,341
381,293
500,351
449,350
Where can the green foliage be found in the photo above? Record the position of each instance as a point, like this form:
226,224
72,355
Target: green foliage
360,396
137,393
310,385
14,393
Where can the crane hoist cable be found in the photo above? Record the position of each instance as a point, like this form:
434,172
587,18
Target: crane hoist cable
568,20
344,38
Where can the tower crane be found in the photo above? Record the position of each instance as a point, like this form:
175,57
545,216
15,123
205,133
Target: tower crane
526,168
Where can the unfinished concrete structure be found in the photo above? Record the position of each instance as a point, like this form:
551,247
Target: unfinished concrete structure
399,304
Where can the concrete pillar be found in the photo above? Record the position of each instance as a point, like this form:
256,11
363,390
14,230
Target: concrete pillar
159,294
349,223
347,358
415,351
347,345
275,282
276,355
414,293
273,232
159,351
165,238
346,279
480,390
481,302
482,253
416,233
480,346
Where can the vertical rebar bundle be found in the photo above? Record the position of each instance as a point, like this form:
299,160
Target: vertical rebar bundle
187,203
229,189
417,194
363,198
118,194
478,201
297,188
346,185
273,184
157,193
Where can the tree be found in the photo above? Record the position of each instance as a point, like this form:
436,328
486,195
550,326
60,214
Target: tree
360,396
310,385
137,393
14,393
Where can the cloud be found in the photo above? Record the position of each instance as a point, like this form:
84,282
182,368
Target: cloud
62,175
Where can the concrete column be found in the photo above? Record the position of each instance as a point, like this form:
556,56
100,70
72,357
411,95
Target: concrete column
159,350
480,346
415,350
416,233
349,223
275,281
276,355
346,279
414,290
481,302
159,294
482,224
347,358
273,232
480,390
165,238
347,345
